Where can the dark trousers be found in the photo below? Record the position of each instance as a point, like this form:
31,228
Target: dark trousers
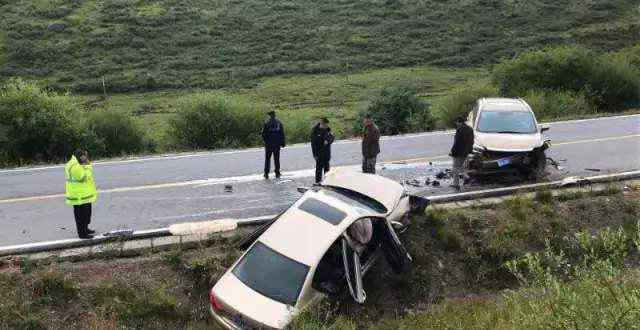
369,165
267,160
82,214
322,166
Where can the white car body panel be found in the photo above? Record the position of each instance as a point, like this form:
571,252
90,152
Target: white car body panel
386,191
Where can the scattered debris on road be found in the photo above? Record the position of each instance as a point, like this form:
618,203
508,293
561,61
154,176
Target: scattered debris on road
119,233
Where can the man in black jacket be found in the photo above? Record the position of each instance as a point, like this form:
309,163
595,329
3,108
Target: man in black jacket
273,137
462,147
321,140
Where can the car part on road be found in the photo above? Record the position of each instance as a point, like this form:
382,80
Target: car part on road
119,233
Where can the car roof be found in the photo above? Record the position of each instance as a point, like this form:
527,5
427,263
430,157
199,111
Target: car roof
383,190
503,104
305,237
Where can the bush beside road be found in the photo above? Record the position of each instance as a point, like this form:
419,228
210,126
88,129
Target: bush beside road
473,267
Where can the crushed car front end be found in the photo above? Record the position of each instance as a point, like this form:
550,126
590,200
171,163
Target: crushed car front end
486,161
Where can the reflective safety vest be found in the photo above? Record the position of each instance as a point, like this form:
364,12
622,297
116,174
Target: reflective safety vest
80,187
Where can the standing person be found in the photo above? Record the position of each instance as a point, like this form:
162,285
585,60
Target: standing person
80,191
370,145
462,147
273,137
321,140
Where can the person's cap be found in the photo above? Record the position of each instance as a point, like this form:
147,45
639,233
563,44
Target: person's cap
271,113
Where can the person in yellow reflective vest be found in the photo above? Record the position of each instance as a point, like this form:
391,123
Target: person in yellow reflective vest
80,191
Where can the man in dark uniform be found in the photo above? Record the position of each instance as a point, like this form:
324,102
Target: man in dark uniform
462,147
273,137
321,140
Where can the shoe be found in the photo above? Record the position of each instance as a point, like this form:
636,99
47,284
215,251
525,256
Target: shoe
87,236
266,176
277,175
91,231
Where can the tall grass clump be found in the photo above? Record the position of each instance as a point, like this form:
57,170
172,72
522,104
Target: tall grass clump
209,120
37,125
558,104
397,111
610,82
116,133
461,101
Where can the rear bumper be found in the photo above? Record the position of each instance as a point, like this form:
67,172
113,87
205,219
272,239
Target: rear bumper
223,321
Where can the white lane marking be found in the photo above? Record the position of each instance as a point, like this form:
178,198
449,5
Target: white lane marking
294,146
613,138
286,175
212,181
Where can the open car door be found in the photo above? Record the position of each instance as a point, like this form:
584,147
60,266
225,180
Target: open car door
396,254
353,272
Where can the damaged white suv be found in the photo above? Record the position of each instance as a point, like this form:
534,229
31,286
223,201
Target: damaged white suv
507,138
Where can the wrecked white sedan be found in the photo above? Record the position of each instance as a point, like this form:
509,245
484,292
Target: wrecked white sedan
507,138
323,244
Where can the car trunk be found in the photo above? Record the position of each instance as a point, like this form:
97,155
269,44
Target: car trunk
233,296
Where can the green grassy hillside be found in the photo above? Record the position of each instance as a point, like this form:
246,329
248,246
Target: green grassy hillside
136,45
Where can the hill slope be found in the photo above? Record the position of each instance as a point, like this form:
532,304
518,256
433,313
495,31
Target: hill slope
149,45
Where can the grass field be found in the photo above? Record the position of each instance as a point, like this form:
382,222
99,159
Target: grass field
460,276
147,45
305,59
296,97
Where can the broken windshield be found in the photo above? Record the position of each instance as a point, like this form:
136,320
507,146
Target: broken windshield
271,274
513,122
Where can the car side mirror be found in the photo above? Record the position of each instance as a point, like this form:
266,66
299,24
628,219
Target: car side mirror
302,190
544,129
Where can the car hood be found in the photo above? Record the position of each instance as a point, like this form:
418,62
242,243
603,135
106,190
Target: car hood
508,142
253,306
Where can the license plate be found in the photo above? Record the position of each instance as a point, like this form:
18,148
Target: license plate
239,321
504,161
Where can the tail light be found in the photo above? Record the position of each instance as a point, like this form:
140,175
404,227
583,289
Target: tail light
214,301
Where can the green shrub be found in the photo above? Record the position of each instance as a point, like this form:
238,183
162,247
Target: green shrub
394,111
557,104
212,120
38,125
610,82
461,101
630,54
116,133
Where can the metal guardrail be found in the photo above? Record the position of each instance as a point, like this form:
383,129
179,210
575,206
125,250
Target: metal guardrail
441,199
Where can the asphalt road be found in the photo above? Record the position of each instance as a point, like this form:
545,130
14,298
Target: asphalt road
154,192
